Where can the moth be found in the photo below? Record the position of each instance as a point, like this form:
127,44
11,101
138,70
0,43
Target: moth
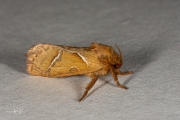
62,61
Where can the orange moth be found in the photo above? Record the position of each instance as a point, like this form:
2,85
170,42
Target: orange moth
61,61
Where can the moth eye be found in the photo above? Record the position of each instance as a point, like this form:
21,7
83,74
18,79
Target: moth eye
117,65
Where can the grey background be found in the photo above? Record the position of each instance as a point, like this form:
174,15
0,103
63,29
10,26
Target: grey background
146,31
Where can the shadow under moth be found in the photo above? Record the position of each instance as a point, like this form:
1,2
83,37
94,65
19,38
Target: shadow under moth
62,61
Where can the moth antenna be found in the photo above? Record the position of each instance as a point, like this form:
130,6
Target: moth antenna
120,54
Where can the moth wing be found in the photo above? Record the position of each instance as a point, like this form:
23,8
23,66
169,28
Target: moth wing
58,61
75,62
39,58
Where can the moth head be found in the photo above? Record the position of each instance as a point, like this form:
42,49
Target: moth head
117,59
107,54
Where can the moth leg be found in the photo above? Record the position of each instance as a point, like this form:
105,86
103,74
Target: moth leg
123,73
114,74
90,85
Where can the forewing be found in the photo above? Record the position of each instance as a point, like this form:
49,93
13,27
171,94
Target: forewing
74,62
58,61
39,57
